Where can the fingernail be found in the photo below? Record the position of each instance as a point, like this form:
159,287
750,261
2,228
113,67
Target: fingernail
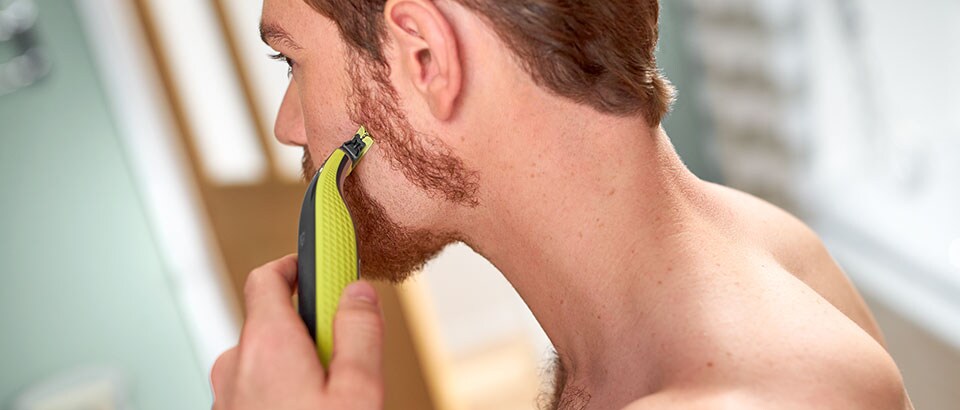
361,291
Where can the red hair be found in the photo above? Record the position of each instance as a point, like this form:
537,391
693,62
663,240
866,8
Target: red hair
595,52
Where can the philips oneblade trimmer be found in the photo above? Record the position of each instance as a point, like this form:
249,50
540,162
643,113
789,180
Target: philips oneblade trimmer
327,245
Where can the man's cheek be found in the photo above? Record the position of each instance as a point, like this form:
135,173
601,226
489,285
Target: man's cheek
325,136
402,202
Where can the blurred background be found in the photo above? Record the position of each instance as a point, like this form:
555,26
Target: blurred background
139,183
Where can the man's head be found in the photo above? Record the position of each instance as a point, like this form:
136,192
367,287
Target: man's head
443,85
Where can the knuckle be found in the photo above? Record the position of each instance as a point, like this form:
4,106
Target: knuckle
217,372
365,320
366,400
358,306
257,341
354,381
254,282
277,264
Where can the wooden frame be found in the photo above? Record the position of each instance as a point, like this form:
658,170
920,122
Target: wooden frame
256,222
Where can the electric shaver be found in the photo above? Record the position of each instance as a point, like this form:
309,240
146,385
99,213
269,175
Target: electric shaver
327,245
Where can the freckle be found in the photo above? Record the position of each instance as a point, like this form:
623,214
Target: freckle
659,282
612,191
669,268
709,364
580,234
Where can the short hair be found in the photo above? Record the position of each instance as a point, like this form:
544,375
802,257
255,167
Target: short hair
600,53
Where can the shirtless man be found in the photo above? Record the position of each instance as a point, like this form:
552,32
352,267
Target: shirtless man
530,130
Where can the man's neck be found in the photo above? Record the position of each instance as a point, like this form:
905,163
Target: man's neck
593,240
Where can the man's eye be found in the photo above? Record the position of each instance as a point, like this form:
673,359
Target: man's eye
285,59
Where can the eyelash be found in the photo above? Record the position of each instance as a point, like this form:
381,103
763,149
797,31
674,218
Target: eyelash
285,59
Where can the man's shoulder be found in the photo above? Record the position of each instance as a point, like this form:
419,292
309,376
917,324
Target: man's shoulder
824,378
763,224
728,399
748,399
798,250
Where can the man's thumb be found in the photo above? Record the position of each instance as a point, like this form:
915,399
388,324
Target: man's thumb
357,363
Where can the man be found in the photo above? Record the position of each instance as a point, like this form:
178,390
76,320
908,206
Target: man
530,130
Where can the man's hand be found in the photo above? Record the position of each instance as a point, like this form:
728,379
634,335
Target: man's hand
275,365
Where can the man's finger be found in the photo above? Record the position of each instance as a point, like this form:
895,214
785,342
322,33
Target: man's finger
357,367
222,372
272,324
269,289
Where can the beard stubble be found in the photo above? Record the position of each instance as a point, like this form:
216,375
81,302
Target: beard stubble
387,250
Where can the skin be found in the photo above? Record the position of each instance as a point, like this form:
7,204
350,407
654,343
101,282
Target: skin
657,289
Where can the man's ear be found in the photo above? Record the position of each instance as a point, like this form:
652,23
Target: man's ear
428,51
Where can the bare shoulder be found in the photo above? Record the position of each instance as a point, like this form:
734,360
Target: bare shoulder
717,400
794,351
762,219
800,251
744,399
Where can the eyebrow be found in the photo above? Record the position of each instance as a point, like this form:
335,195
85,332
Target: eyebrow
273,32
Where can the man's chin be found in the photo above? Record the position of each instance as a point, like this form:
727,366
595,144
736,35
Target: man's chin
388,251
376,265
396,261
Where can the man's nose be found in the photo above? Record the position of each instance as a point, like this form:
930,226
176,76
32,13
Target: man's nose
289,128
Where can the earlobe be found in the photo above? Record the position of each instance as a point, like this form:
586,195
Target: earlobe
428,52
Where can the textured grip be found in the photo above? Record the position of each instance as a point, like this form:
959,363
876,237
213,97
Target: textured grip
337,264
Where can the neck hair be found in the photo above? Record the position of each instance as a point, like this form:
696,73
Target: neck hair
559,395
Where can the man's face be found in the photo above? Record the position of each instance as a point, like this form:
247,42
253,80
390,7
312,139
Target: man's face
407,184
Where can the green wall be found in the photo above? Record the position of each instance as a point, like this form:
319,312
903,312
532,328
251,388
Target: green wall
686,125
82,281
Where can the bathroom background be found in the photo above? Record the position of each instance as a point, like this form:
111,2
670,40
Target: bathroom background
139,183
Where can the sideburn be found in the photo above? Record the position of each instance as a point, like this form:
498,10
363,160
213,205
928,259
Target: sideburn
434,168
